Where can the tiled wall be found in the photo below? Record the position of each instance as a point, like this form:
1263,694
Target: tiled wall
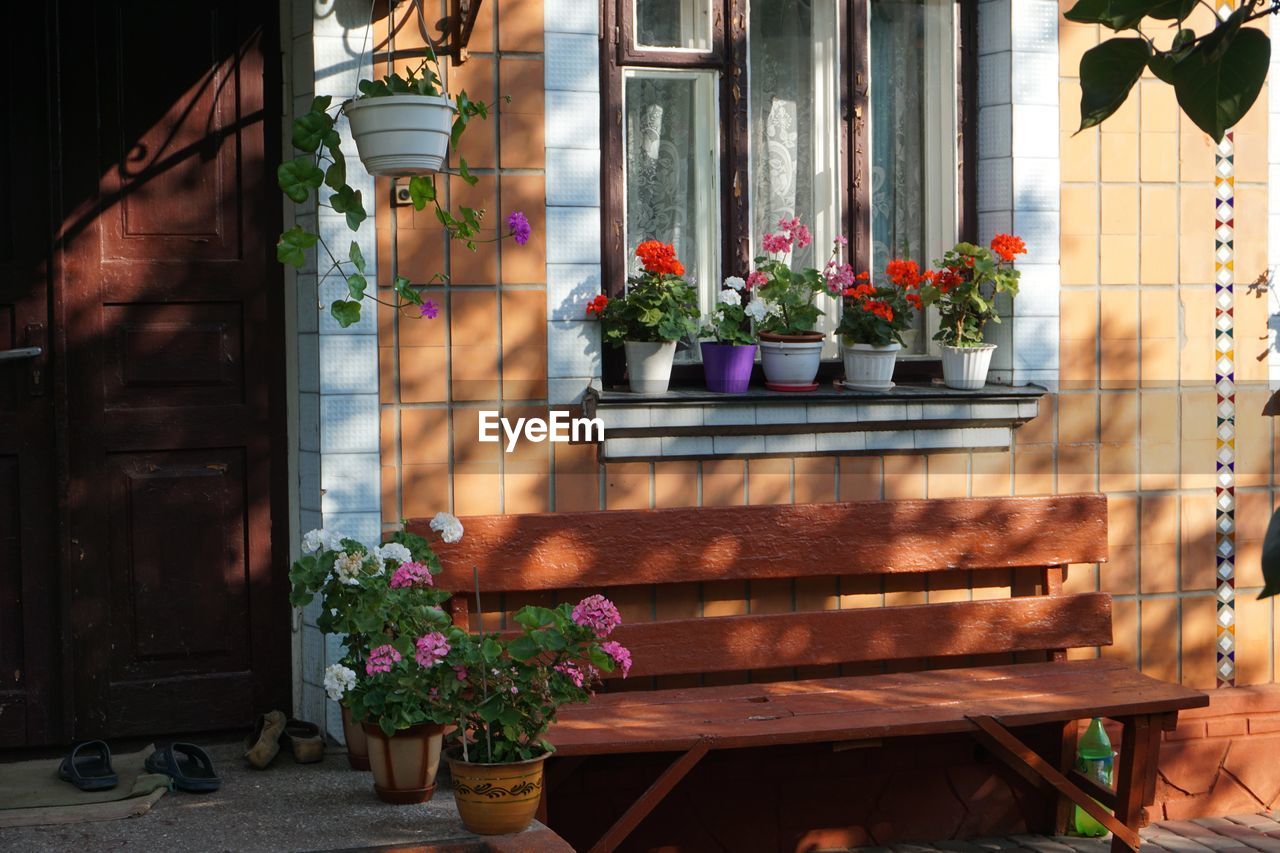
1134,416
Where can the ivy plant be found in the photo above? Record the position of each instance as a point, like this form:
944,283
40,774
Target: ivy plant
1216,74
321,170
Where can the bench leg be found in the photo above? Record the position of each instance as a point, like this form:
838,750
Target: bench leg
1135,781
640,809
1066,809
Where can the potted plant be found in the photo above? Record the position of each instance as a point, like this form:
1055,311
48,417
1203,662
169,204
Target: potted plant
965,288
353,582
872,324
728,357
790,349
514,687
658,309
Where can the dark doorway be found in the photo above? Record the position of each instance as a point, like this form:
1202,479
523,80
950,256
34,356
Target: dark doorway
139,480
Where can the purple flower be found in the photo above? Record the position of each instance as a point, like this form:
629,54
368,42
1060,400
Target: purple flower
430,310
519,225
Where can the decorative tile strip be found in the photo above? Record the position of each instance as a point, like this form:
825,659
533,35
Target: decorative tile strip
1224,375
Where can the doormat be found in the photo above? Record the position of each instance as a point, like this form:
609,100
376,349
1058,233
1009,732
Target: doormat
31,794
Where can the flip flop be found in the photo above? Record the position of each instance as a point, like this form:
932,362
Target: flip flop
187,765
88,767
263,745
304,740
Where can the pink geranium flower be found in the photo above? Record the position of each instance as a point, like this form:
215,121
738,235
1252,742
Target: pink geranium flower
620,654
431,649
382,659
411,575
597,613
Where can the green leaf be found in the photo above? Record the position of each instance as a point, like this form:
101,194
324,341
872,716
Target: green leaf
356,285
465,173
297,177
348,201
1216,93
347,313
1170,10
1124,14
1107,74
491,649
336,175
422,191
320,103
1271,559
310,129
523,647
403,288
374,89
356,256
293,245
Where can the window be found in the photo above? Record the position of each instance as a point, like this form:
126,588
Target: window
726,115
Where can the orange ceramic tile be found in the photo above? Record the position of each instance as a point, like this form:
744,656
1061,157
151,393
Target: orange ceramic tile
1199,655
1253,640
389,434
474,371
1079,258
1118,467
525,264
677,601
419,331
1251,234
424,436
861,478
577,477
467,446
1078,418
1158,567
520,26
1119,313
426,489
1160,362
815,479
1079,359
627,485
1119,209
1159,417
390,494
1040,429
1077,468
423,374
1033,470
769,481
1079,314
1198,540
1195,154
1160,625
947,475
1124,630
1253,513
861,591
1157,466
945,587
904,477
525,450
1251,156
1120,256
1198,469
520,78
477,488
1159,217
523,142
1254,442
1081,577
992,474
420,256
1080,154
724,482
817,594
526,485
474,266
724,598
1080,209
1195,265
675,484
1120,367
1159,109
1119,160
1119,417
1119,575
387,383
1158,261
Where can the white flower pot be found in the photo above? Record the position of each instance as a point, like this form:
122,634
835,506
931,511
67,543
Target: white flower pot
649,365
966,368
868,367
790,362
401,134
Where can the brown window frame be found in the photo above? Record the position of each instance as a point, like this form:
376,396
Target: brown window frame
729,55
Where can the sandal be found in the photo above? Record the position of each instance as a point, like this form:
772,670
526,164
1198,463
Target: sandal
187,765
263,745
88,767
304,741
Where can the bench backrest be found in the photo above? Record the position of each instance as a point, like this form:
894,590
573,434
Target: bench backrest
579,553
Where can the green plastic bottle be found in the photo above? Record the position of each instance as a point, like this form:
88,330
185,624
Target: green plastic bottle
1094,758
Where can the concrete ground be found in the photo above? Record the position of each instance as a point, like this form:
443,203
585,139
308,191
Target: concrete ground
287,807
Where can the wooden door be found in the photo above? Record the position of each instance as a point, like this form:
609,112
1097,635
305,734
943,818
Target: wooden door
28,567
170,301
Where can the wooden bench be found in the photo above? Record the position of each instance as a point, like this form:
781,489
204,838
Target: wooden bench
1033,538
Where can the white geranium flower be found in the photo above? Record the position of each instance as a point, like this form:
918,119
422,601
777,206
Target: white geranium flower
393,551
448,526
735,282
730,297
757,309
314,540
347,567
338,679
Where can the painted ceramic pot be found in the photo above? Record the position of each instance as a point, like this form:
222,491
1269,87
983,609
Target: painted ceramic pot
404,765
357,744
494,799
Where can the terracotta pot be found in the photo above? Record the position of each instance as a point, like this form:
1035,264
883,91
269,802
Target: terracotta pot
966,368
357,744
401,134
494,799
404,765
790,362
868,367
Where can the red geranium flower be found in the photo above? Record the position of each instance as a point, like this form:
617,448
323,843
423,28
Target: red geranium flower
903,273
1008,246
596,306
659,258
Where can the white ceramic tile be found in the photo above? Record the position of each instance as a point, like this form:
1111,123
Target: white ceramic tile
994,28
573,177
729,415
1035,26
1039,290
993,222
632,448
307,303
995,131
348,364
1035,343
1040,230
1036,184
738,445
626,418
938,439
1035,130
687,445
349,423
794,443
1044,378
1035,78
569,288
313,660
573,348
313,701
987,437
841,441
572,62
351,484
309,489
567,390
573,235
890,440
309,362
797,414
309,422
995,184
364,527
680,416
334,287
995,80
571,16
572,120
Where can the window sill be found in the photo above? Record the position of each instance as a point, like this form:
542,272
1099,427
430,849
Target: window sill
693,423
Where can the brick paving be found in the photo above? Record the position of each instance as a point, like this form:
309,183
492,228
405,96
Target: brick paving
1239,833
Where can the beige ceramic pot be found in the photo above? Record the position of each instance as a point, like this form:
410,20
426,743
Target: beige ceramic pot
357,745
494,799
404,765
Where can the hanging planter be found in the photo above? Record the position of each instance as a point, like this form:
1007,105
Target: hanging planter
401,135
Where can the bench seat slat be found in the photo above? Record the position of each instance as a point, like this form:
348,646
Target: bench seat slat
593,550
864,707
734,643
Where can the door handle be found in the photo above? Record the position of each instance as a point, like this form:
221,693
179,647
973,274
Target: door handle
21,353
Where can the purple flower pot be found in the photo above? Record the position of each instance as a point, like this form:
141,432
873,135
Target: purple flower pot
728,366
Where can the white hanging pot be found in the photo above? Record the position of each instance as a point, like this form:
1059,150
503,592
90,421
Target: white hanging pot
790,362
868,367
649,365
966,368
401,135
